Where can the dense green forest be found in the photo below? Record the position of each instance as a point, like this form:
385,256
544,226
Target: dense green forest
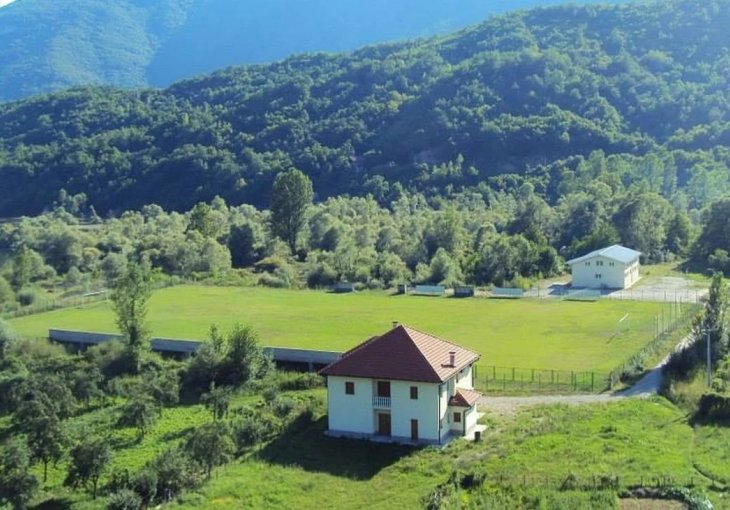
488,157
525,96
47,45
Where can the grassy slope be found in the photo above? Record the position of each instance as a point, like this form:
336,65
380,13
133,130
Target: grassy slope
305,471
528,333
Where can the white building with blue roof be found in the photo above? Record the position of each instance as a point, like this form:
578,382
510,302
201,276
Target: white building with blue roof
615,267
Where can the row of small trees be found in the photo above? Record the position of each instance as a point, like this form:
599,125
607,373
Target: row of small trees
42,387
709,348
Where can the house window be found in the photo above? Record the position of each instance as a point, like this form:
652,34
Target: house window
610,264
588,264
414,392
349,388
457,417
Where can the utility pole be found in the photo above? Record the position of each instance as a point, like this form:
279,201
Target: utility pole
709,360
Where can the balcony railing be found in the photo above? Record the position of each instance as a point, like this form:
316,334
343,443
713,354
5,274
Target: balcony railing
381,402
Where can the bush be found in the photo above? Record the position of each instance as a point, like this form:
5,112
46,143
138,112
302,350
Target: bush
282,407
144,485
713,407
295,381
321,275
125,499
270,264
111,358
31,296
174,472
253,429
267,280
7,296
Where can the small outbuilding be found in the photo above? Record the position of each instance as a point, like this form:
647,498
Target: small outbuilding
615,267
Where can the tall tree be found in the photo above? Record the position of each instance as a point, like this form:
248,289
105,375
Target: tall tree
46,441
211,445
89,460
140,412
292,196
129,301
17,483
715,317
7,338
244,359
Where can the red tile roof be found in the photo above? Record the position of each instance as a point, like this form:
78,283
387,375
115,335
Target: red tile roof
464,398
404,354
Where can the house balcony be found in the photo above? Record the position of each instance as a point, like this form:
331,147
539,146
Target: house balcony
381,402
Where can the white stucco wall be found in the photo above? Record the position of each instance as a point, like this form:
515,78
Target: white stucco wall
613,274
631,274
404,409
444,408
471,418
350,413
464,379
454,426
356,414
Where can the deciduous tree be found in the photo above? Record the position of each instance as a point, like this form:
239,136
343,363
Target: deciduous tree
292,195
129,300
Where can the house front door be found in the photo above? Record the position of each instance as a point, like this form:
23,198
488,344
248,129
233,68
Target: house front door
414,430
384,424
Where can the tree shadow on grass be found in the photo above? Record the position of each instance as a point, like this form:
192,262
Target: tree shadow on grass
305,445
177,434
54,504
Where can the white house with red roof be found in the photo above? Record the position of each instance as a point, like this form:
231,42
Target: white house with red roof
403,386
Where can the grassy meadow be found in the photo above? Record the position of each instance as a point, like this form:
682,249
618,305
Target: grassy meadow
561,335
538,448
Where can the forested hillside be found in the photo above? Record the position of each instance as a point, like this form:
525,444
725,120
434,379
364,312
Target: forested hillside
46,45
528,94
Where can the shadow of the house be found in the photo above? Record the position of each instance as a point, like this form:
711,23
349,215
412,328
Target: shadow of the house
305,445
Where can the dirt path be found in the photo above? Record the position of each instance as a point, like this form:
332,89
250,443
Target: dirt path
645,387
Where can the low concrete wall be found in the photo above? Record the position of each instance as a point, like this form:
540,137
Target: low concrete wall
64,336
309,357
302,355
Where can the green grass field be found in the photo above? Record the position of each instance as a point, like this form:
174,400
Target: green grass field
538,447
527,333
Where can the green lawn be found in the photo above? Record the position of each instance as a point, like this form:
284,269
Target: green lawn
528,333
632,439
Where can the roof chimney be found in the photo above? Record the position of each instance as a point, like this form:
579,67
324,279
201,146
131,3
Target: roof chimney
395,324
452,358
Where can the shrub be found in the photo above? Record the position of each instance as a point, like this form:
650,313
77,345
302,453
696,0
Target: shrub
282,406
125,499
321,275
144,485
7,296
713,407
111,358
253,429
267,280
270,264
174,472
294,381
30,296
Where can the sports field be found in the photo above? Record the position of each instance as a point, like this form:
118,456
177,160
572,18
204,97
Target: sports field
527,333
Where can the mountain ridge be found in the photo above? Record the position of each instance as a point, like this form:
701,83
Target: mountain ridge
49,45
525,95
